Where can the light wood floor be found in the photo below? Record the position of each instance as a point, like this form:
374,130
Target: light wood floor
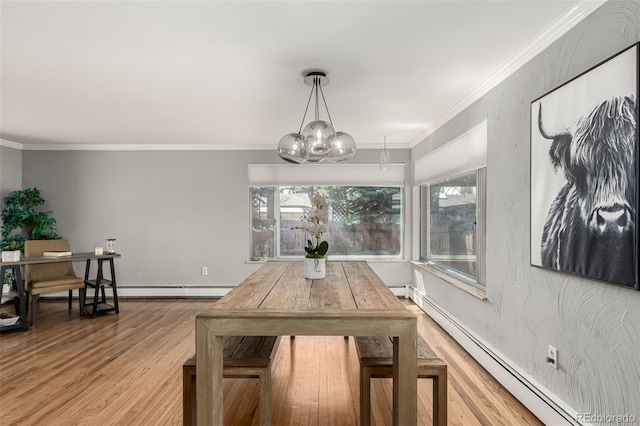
127,370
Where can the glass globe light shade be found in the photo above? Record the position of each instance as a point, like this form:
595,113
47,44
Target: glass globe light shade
293,148
385,159
316,135
343,146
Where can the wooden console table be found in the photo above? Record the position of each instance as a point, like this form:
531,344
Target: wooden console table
277,300
100,305
20,292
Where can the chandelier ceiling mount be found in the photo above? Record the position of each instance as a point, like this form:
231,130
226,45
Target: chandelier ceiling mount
318,140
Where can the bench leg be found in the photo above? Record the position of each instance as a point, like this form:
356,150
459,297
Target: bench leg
365,396
264,398
438,376
440,398
188,395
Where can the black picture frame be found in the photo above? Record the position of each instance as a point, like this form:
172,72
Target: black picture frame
584,173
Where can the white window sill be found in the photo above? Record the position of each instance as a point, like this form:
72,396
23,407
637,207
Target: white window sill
374,260
454,281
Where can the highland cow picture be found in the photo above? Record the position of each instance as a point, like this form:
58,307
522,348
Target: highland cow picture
584,173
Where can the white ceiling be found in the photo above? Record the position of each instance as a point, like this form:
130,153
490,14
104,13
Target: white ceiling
228,74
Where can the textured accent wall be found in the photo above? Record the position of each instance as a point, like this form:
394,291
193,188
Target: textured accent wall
595,326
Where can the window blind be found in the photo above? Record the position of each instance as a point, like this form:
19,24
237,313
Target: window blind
465,153
326,174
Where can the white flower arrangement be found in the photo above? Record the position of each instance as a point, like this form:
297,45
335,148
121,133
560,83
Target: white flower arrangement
313,224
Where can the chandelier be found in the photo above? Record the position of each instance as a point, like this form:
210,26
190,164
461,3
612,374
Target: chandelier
385,157
318,140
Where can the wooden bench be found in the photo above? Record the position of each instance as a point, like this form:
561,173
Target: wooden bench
244,357
376,361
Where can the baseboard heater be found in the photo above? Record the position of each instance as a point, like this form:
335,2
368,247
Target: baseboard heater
539,400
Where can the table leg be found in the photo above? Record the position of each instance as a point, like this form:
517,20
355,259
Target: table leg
209,386
87,268
405,377
22,296
94,311
114,286
81,295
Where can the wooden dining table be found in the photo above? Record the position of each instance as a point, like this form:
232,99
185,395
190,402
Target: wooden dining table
277,300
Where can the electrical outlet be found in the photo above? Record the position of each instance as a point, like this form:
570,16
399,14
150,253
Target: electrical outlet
205,270
552,357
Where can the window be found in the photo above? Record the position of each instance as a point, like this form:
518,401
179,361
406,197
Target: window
263,222
364,221
451,185
451,216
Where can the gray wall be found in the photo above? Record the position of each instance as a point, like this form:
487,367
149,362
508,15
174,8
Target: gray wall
595,326
172,212
10,170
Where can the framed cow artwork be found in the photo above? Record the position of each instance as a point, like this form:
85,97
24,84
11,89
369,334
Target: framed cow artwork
584,173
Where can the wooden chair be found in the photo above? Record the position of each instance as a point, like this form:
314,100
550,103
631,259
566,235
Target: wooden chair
50,277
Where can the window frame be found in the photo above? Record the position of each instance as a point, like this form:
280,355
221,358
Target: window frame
277,226
445,272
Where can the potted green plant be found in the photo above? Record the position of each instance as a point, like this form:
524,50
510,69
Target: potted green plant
11,252
21,215
314,262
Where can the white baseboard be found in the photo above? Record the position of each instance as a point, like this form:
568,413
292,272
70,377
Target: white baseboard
400,291
178,292
151,292
540,401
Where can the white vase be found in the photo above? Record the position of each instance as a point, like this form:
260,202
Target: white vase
314,268
11,256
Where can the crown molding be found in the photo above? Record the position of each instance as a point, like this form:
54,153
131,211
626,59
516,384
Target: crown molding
556,30
129,147
9,144
159,147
